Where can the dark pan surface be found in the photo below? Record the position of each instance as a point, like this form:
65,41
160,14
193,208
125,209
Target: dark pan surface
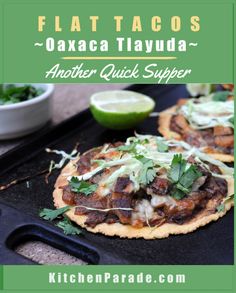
212,244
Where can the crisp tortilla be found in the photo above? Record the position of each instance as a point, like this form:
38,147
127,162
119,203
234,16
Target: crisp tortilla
164,129
127,231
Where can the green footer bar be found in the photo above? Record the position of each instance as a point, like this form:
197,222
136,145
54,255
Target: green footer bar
119,278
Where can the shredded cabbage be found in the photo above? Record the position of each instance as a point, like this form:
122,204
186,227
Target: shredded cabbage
207,113
146,145
72,156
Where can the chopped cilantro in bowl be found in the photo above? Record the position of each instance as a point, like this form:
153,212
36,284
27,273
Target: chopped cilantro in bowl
24,108
12,93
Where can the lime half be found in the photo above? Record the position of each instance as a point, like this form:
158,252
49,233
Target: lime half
120,109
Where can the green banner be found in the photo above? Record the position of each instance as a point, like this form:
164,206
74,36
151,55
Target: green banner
117,41
1,277
111,291
116,278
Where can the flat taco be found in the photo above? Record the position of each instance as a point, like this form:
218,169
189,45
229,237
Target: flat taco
205,122
147,187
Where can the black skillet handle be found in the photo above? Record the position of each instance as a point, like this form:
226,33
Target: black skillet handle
8,255
16,228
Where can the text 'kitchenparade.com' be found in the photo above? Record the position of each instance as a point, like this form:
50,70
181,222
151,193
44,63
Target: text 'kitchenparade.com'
113,278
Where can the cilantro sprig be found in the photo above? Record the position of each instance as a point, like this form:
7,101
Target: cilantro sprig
66,225
181,177
82,186
68,228
147,172
48,214
177,168
187,179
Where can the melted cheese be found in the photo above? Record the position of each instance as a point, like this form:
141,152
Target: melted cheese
158,200
143,211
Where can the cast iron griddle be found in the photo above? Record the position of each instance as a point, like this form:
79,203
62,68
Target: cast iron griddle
20,204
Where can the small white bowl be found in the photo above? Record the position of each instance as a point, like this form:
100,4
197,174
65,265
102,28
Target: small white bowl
23,118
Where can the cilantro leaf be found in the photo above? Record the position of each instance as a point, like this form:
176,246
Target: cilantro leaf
68,228
177,168
150,175
187,179
127,148
162,147
147,172
220,96
66,225
130,148
82,186
177,194
11,94
48,214
183,179
182,188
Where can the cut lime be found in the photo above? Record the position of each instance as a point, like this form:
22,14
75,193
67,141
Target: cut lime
120,109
